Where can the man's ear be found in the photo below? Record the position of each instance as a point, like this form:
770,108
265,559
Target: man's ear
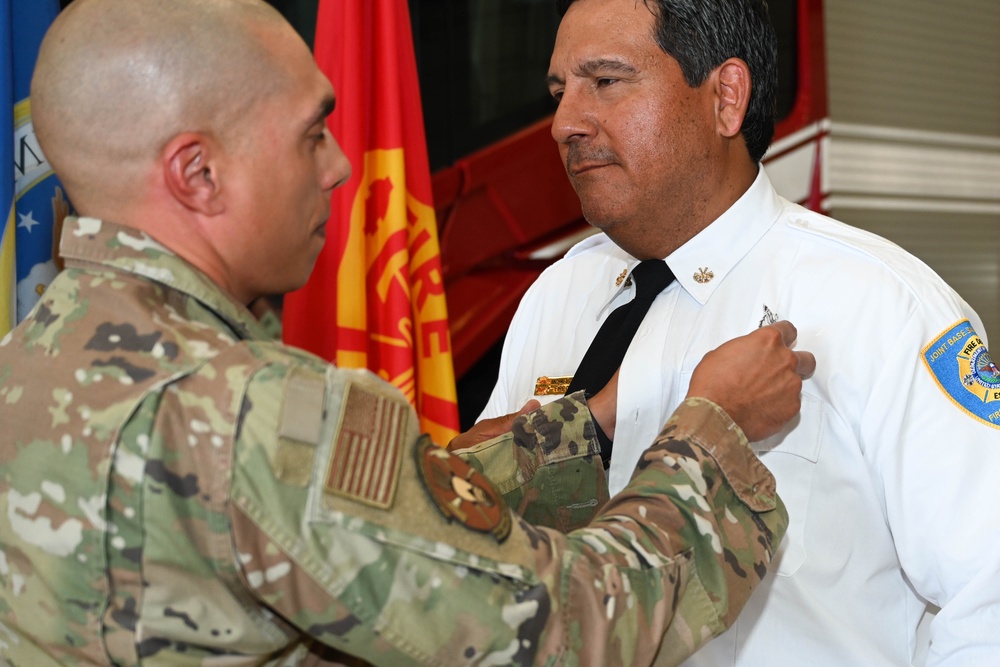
733,85
191,172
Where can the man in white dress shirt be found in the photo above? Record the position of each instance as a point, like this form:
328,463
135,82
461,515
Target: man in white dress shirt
889,474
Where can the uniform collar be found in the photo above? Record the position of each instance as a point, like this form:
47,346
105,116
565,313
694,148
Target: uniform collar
703,263
88,241
613,278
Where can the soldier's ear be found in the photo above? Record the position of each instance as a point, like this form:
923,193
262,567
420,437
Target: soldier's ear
191,172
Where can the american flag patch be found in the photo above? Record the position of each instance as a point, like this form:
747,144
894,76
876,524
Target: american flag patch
366,457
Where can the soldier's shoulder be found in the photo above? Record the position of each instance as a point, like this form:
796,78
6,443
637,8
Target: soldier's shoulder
281,359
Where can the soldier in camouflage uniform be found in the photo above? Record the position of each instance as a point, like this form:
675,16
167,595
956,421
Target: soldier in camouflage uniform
177,488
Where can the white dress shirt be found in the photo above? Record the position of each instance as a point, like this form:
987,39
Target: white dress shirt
890,472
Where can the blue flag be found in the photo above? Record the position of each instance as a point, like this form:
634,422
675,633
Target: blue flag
8,282
39,203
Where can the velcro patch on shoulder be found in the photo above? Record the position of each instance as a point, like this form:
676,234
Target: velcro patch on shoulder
461,492
961,365
302,409
367,448
299,428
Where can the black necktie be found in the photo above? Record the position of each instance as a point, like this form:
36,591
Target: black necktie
607,350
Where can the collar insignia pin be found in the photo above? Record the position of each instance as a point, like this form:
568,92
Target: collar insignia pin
703,275
621,277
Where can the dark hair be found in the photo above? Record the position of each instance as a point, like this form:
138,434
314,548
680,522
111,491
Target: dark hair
701,34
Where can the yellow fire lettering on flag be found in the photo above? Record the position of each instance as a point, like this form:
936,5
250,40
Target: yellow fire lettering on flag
390,285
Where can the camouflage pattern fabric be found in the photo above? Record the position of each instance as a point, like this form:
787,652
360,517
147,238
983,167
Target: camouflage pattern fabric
548,479
178,489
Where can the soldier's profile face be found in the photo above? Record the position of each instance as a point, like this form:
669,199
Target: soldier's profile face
287,173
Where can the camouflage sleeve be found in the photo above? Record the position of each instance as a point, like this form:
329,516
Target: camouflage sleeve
726,512
371,540
548,468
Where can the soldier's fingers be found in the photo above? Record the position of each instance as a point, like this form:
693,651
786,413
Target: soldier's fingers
530,406
787,330
807,364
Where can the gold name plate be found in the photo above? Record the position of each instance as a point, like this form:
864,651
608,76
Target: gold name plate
550,386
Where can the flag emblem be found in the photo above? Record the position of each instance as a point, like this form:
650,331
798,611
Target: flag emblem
32,203
365,460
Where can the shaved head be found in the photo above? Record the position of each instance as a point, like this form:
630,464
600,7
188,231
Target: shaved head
118,79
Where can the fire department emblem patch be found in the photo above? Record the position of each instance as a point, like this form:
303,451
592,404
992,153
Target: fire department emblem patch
461,492
962,366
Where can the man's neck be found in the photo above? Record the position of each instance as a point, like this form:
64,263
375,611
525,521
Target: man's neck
659,238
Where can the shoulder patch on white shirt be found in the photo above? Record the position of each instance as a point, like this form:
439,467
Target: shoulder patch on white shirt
961,365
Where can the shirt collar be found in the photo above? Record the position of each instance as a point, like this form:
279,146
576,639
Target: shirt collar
616,268
88,241
703,263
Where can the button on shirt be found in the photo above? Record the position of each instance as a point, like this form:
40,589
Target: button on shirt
889,480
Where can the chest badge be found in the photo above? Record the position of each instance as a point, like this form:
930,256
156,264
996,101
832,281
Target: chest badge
552,386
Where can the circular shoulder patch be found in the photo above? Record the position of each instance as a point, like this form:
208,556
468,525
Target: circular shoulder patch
461,492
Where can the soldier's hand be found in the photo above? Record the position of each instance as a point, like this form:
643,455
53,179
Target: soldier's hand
756,379
488,429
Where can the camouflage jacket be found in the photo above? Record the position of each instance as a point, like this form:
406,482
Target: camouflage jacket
178,489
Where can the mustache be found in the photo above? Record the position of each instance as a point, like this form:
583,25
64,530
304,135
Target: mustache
577,155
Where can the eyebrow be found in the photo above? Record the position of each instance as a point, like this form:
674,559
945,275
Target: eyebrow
592,67
325,108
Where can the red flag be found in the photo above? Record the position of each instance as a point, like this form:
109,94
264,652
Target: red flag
376,298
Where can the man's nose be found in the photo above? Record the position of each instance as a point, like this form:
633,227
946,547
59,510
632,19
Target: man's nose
572,120
336,167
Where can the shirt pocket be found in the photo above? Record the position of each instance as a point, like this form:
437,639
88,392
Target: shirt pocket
792,455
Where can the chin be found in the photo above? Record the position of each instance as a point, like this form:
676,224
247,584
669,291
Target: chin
601,220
